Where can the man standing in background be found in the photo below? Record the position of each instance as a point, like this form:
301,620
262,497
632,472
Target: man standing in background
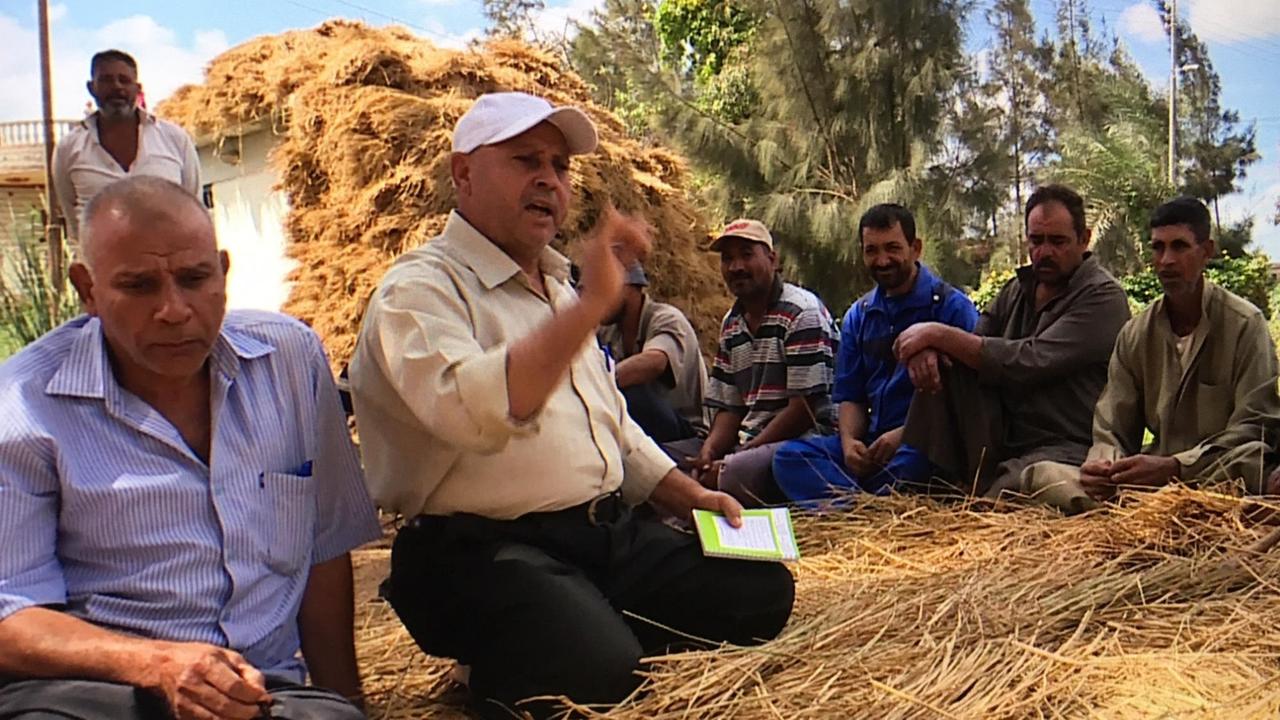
122,139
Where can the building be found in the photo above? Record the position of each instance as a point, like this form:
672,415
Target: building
249,215
22,191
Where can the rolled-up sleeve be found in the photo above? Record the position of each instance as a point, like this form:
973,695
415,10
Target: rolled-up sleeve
644,464
424,343
345,516
30,573
1084,334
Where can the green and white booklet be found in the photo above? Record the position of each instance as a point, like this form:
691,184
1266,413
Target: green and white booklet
766,534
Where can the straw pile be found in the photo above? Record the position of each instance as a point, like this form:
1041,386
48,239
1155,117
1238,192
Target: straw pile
908,608
365,117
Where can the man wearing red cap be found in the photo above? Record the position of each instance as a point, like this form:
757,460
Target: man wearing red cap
490,416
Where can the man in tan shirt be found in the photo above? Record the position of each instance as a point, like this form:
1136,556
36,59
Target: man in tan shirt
659,365
489,416
1197,368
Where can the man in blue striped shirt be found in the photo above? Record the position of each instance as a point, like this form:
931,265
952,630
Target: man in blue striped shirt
178,492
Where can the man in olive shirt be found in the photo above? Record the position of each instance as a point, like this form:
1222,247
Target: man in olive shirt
488,415
659,366
1021,387
1197,367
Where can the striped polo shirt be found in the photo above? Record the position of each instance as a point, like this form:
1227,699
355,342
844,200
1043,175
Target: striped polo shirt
791,353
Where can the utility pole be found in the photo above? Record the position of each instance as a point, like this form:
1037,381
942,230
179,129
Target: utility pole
52,219
1173,92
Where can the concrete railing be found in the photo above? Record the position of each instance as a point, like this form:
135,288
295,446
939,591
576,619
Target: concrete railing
31,132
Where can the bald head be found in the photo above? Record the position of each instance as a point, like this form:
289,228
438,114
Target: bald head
153,276
136,204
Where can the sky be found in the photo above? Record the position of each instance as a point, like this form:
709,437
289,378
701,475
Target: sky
173,40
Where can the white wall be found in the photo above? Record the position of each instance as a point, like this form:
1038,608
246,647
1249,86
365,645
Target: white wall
249,218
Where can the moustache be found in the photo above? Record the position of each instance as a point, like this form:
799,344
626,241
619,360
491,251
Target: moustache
1047,265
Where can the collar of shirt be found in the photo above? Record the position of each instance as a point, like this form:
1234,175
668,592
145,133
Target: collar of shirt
491,264
90,122
921,295
86,371
1085,274
775,294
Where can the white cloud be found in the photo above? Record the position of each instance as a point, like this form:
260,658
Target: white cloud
562,20
1141,22
165,61
1232,20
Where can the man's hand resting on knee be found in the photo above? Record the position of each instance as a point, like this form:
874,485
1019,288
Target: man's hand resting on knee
201,681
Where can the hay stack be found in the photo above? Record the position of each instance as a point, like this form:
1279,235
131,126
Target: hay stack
908,608
365,116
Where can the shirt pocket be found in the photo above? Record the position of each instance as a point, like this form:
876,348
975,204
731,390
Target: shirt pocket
291,512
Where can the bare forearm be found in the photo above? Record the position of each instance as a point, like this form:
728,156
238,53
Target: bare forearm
326,624
641,368
724,433
791,422
537,362
41,643
853,421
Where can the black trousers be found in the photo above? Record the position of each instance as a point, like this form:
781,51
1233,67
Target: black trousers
648,405
560,603
89,700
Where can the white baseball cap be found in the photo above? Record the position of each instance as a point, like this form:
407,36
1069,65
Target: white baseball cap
497,117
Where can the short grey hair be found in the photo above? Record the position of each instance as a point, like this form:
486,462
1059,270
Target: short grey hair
139,200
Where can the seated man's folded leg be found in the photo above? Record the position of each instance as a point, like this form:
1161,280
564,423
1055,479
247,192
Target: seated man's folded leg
960,429
907,470
297,702
811,468
748,476
1248,462
1058,485
1008,476
527,623
648,406
683,594
77,700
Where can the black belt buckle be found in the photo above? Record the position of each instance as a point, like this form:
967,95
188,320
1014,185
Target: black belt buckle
594,508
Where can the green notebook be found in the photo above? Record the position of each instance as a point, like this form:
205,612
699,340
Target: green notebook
765,534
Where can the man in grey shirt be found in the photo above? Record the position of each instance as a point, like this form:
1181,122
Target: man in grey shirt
659,367
1022,386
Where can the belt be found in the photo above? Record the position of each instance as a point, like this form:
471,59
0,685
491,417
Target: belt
600,510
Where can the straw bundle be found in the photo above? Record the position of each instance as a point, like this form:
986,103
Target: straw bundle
908,608
366,116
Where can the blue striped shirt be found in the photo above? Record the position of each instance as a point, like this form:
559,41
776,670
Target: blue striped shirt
106,513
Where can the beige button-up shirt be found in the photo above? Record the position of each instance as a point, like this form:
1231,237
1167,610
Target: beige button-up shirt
82,167
429,381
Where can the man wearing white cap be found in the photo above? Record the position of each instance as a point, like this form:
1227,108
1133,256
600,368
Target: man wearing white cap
489,416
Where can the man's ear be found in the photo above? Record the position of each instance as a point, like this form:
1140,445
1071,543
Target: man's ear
460,170
1088,235
88,85
82,280
225,261
1210,249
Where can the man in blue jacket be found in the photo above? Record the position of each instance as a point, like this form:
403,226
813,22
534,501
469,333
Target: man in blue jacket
872,389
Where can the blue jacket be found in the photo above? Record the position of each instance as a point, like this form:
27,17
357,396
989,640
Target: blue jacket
866,371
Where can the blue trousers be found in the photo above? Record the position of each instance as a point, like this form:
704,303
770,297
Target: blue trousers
811,468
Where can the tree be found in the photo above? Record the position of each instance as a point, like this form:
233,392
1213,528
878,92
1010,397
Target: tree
512,18
1215,151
